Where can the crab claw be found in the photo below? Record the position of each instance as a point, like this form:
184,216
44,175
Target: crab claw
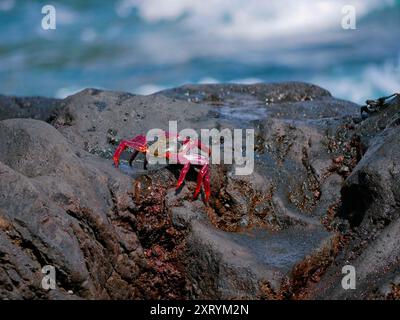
139,143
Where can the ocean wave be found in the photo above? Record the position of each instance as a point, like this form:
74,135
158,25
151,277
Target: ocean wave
371,82
143,46
252,19
148,89
65,92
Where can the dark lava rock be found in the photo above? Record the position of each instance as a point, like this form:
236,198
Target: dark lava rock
371,205
59,207
39,108
122,115
323,193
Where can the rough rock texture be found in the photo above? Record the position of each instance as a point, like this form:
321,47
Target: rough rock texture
324,193
371,207
32,107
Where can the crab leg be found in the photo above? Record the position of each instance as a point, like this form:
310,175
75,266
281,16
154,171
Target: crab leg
133,156
182,176
200,177
206,184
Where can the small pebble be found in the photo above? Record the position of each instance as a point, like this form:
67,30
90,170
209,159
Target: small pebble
344,169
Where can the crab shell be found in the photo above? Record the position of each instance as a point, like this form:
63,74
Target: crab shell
165,147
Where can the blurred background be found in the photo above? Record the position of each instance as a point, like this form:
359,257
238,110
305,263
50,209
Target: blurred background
143,46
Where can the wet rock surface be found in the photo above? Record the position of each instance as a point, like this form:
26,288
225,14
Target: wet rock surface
324,193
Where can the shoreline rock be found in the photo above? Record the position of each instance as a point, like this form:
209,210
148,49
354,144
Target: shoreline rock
313,202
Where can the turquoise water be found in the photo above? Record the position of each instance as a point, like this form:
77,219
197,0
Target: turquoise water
142,46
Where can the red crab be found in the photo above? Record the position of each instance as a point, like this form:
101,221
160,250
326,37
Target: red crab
160,149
